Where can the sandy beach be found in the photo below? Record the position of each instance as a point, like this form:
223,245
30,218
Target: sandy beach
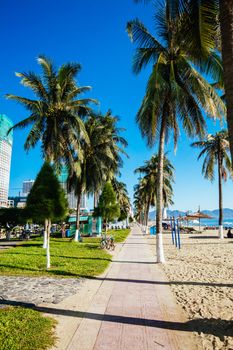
201,276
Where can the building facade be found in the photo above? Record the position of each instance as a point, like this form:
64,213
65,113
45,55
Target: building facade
17,201
72,199
27,185
6,141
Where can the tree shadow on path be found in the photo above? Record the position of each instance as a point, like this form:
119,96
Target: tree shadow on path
217,327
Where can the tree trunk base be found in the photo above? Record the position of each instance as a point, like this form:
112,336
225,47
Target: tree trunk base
220,232
45,234
159,248
77,236
48,265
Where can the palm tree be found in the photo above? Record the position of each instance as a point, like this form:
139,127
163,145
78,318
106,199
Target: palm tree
226,21
209,21
150,183
142,201
101,159
214,19
122,197
175,95
109,122
56,113
215,148
214,13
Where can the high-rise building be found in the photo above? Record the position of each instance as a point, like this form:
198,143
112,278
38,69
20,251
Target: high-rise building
6,141
72,199
83,204
27,185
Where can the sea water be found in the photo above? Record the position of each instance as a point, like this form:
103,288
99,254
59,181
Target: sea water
212,222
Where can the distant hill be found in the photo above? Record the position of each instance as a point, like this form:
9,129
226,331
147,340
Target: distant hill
169,213
227,213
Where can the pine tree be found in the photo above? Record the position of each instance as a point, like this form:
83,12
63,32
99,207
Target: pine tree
108,207
47,202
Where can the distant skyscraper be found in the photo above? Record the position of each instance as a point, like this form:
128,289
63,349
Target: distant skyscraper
83,204
5,158
72,199
27,185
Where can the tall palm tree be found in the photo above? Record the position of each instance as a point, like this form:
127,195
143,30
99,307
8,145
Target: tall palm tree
150,183
215,13
213,18
56,113
206,21
226,21
119,143
215,148
101,159
122,197
142,201
175,95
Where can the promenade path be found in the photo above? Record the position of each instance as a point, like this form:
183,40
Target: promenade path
132,308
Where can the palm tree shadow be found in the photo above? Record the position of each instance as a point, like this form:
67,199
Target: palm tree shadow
61,256
205,237
217,327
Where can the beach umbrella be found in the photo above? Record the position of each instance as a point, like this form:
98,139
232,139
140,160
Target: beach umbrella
198,216
185,218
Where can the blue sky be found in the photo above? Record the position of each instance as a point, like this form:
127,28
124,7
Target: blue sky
92,33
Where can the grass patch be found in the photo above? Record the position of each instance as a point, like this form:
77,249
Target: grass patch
25,329
119,236
68,259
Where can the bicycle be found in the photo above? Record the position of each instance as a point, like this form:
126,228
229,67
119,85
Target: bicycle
111,244
107,242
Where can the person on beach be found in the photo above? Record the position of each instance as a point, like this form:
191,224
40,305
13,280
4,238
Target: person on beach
229,234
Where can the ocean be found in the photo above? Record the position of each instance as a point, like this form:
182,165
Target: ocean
212,222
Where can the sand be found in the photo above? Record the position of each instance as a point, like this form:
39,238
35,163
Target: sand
201,276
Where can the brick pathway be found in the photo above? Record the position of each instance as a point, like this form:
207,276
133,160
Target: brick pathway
133,308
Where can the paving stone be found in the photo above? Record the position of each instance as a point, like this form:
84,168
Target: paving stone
37,289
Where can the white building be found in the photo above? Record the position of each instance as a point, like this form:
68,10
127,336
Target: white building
72,199
27,186
5,158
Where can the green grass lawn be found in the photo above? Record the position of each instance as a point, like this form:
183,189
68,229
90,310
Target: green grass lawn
25,329
68,258
119,236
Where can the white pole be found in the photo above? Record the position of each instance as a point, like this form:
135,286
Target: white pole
220,232
45,234
48,246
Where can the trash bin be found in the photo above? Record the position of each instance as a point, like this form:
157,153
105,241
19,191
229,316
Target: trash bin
68,233
153,230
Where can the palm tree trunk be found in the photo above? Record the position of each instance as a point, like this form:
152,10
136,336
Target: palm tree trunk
106,223
96,199
226,21
77,232
159,199
146,219
48,245
220,197
45,234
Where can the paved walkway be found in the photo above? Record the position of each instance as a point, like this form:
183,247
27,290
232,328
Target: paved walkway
132,307
37,290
